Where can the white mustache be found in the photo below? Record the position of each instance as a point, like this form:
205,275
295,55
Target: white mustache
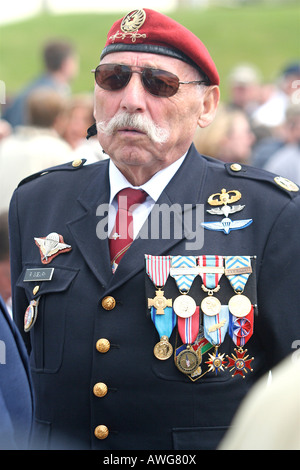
137,122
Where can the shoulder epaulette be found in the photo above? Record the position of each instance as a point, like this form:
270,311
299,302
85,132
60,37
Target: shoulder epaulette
247,171
70,166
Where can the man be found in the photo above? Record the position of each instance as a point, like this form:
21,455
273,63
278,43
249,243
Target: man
123,354
21,153
16,394
60,67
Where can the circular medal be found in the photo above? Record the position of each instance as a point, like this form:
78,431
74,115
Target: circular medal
184,306
211,306
163,349
239,305
187,361
31,315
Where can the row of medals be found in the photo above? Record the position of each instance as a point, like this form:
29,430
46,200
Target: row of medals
188,360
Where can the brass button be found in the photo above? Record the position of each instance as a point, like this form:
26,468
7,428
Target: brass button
101,432
35,290
108,303
103,345
236,167
77,163
100,389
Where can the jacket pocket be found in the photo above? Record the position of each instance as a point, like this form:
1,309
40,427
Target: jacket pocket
198,438
48,332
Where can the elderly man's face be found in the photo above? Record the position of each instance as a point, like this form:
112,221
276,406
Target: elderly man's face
137,154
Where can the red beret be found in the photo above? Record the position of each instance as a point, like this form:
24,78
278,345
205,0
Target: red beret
149,31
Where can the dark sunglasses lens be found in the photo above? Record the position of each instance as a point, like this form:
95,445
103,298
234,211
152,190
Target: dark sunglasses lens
160,83
112,77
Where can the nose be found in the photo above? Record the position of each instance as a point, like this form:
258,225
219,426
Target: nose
134,95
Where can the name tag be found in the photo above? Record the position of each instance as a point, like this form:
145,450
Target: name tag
38,274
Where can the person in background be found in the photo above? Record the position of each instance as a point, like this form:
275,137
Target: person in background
60,63
244,88
36,146
286,161
229,137
16,391
269,417
79,117
271,113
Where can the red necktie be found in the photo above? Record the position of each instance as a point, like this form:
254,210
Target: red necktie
122,234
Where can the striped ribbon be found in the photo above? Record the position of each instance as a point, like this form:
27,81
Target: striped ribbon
211,280
188,328
184,281
238,281
158,269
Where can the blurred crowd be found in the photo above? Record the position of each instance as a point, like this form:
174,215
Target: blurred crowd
46,125
259,124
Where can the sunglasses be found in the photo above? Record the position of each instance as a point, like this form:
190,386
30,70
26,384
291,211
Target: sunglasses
114,77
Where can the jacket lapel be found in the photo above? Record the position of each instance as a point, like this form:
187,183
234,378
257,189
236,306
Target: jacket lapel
87,228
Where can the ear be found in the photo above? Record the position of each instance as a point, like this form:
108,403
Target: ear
209,106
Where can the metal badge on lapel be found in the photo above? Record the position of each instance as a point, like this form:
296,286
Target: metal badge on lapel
223,199
51,246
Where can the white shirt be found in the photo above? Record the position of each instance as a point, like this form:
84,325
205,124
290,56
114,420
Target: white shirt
154,187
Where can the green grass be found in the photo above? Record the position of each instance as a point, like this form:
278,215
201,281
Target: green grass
267,36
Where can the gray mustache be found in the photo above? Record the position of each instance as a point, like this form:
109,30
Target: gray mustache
137,122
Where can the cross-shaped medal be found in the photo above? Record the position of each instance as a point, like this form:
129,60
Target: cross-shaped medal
159,302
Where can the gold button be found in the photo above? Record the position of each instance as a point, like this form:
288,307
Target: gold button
100,389
103,345
77,163
108,303
35,290
236,167
101,432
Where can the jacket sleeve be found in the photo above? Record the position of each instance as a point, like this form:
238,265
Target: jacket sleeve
279,285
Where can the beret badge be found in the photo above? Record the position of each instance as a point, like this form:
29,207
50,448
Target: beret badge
130,25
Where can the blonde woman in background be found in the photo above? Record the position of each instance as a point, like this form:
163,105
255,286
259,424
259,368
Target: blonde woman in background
229,138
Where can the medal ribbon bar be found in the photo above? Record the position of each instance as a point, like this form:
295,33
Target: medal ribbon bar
158,269
242,266
179,264
210,275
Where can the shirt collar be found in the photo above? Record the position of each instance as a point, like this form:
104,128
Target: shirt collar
154,187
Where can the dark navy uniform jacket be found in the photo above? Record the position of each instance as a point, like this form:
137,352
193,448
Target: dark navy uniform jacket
16,393
149,404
